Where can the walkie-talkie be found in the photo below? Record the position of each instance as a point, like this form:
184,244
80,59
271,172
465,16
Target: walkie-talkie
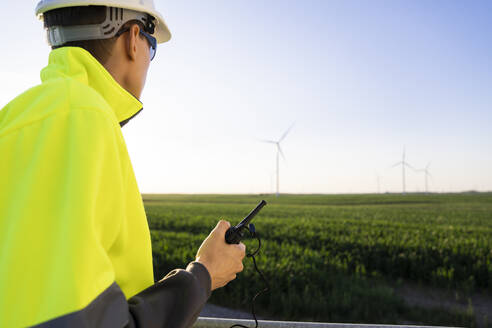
235,234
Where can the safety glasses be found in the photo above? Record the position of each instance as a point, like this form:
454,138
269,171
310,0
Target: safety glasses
152,41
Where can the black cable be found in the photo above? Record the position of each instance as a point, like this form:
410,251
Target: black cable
267,288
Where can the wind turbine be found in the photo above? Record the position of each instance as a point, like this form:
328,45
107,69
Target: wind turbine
378,179
403,163
279,151
427,174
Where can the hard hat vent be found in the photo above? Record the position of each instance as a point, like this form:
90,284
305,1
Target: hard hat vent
115,19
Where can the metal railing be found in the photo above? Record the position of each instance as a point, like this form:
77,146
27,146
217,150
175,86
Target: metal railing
204,322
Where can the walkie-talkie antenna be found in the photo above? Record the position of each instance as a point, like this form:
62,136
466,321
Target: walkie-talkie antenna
235,234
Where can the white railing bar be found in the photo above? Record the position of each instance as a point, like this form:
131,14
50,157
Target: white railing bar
204,322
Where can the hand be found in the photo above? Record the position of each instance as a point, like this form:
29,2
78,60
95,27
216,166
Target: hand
222,260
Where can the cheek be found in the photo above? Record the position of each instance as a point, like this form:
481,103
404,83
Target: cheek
138,74
144,68
140,69
145,62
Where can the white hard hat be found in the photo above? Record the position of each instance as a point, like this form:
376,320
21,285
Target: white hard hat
161,33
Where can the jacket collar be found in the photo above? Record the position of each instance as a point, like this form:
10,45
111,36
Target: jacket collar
79,64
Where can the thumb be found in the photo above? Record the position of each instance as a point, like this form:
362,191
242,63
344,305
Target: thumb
222,227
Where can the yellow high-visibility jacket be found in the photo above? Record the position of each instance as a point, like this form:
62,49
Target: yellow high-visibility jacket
75,247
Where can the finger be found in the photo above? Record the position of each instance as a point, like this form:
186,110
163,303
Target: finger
242,249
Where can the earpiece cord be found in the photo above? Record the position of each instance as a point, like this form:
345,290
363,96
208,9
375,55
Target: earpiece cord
267,288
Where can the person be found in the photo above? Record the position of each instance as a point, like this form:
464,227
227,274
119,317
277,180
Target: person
75,248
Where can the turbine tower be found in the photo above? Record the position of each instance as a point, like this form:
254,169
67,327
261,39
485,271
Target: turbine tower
378,180
427,174
279,152
403,163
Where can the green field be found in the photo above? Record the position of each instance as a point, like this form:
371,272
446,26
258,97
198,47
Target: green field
339,258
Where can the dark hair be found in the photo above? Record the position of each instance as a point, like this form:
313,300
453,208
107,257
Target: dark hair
84,15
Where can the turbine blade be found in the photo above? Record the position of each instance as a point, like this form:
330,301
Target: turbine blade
281,152
269,141
410,166
399,163
286,132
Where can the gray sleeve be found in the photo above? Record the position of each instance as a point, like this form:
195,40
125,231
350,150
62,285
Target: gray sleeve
173,302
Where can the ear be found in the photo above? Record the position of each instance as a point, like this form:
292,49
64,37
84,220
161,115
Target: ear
131,42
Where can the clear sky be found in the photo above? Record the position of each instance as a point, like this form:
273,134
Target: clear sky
360,79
